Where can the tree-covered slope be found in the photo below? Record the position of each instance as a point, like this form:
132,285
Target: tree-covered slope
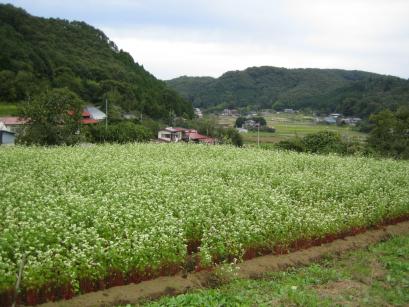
352,92
38,54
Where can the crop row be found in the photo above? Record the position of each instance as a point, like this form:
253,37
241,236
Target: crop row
76,213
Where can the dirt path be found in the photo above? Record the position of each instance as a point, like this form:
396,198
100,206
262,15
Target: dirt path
249,269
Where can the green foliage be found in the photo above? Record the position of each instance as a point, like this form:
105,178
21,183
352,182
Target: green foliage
390,133
230,136
240,121
83,211
325,90
38,54
258,119
322,142
54,118
122,132
8,109
294,144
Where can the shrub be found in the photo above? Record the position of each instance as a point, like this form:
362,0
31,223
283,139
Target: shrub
123,132
322,142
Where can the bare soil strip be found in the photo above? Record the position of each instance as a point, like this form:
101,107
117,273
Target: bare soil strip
254,268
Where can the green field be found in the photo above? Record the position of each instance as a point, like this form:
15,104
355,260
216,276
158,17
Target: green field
104,215
291,125
377,276
8,109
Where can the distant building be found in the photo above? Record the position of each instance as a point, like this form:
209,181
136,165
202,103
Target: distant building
242,130
330,120
230,112
289,111
198,112
352,121
87,119
170,134
129,116
95,113
249,124
13,123
7,137
335,115
176,134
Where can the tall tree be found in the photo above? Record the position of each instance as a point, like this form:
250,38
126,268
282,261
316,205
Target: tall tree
54,118
390,133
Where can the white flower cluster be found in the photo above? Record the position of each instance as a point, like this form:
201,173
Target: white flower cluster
78,212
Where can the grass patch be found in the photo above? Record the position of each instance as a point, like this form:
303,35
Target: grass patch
376,276
8,109
291,125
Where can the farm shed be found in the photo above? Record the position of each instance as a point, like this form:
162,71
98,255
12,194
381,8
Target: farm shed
7,137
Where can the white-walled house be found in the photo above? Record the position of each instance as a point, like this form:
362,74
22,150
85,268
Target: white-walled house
170,134
176,134
7,137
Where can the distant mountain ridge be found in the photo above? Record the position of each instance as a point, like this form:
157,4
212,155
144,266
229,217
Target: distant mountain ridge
350,92
38,54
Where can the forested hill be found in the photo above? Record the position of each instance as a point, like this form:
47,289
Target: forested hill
328,90
38,54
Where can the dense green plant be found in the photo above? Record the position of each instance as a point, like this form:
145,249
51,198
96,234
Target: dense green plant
38,54
230,136
322,142
258,119
389,135
54,118
122,132
76,212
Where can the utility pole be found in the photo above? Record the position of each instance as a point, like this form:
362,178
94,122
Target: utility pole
106,113
258,134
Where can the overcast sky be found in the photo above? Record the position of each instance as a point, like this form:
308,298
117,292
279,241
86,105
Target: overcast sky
171,38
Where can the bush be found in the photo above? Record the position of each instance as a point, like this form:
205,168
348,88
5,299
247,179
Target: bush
322,142
123,132
389,136
294,144
232,136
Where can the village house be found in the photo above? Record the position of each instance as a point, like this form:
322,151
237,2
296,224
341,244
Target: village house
7,137
230,112
198,113
95,113
177,134
13,123
170,134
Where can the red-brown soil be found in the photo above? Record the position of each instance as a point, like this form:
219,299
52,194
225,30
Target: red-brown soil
256,267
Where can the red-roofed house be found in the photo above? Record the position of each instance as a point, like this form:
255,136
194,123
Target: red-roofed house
176,134
13,122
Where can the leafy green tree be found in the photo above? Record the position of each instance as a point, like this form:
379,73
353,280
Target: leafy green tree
390,133
323,142
240,121
53,118
258,119
232,136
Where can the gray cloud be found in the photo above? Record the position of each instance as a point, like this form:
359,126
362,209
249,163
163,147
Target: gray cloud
172,38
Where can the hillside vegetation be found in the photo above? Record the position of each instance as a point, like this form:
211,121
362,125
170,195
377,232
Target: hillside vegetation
356,93
38,54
